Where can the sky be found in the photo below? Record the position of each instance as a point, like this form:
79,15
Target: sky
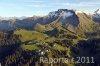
18,8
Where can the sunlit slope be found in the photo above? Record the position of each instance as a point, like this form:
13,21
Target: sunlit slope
30,35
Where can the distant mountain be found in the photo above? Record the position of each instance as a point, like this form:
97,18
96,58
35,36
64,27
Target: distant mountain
9,18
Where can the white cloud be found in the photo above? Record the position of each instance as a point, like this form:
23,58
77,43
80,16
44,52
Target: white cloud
37,5
34,5
90,3
82,4
33,1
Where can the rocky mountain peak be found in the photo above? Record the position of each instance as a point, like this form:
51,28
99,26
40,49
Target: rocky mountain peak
61,12
97,14
78,11
97,11
62,9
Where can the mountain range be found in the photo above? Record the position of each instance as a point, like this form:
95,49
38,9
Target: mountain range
73,20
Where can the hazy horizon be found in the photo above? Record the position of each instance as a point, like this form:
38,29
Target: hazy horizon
28,8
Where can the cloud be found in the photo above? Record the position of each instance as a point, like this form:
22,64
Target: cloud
34,5
37,5
82,4
90,3
33,1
